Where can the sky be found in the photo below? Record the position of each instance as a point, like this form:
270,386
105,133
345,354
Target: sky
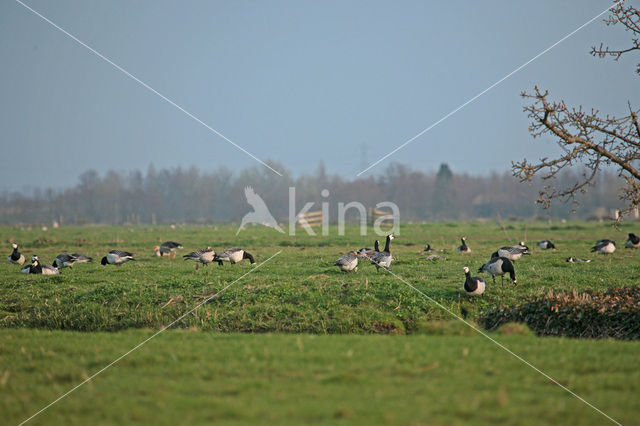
298,82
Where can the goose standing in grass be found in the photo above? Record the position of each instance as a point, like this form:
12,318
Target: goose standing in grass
64,260
116,257
201,257
604,247
233,255
367,253
167,248
348,262
464,248
499,266
512,252
15,257
546,245
37,268
383,258
474,286
633,241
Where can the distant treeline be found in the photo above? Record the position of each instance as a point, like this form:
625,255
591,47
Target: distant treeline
194,196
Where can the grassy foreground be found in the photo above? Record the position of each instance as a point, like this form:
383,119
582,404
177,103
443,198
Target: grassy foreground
299,291
192,377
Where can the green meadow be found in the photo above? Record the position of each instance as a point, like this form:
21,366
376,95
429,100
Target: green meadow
296,340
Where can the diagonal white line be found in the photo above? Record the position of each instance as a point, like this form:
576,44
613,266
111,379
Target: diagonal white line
518,357
136,79
408,141
146,340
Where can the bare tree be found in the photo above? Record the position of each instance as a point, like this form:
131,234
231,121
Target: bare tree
588,138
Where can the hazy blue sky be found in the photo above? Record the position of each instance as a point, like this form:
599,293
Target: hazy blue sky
295,81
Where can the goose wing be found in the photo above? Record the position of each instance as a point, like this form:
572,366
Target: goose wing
66,257
81,258
121,253
227,253
514,249
171,245
197,254
346,259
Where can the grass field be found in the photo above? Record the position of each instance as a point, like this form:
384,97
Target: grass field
442,373
185,377
298,291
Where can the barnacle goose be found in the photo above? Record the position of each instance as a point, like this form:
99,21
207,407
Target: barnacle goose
15,257
167,248
37,268
64,260
233,255
464,248
367,253
435,257
68,260
546,245
499,266
633,241
512,252
604,246
474,286
202,256
116,257
383,258
348,262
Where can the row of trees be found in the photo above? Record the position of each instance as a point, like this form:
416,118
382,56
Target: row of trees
194,196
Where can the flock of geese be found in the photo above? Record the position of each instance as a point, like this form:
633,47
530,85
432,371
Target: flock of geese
500,263
119,257
381,259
